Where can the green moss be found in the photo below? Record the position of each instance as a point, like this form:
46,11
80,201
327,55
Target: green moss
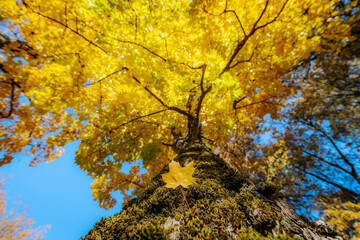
212,214
159,203
208,219
209,166
150,230
209,189
246,234
262,215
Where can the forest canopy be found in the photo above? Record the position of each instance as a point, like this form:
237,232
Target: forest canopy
127,77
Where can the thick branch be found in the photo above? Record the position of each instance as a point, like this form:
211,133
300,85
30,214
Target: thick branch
12,94
203,92
12,99
236,101
15,45
202,77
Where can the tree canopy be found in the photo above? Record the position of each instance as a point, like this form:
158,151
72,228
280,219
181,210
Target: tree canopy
126,77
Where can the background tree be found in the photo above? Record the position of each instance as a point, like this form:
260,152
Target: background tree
315,151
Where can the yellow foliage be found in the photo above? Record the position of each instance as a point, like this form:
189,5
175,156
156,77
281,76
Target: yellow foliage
345,216
114,74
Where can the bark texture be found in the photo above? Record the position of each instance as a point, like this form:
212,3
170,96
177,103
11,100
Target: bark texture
223,204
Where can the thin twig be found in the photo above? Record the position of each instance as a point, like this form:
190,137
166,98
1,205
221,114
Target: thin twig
109,75
183,112
137,184
253,103
135,119
275,18
345,190
243,61
346,160
330,163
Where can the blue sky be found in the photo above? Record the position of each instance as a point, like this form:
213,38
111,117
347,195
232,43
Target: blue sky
56,194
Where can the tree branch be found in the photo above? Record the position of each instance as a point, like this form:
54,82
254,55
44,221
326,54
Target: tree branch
109,75
139,45
236,101
230,11
137,184
275,18
183,112
203,92
12,99
250,104
12,94
345,190
140,117
243,61
202,77
133,120
238,19
15,45
261,15
330,163
346,160
241,44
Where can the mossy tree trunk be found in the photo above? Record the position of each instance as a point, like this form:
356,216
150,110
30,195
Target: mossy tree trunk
223,204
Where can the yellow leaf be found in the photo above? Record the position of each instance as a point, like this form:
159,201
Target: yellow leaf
179,175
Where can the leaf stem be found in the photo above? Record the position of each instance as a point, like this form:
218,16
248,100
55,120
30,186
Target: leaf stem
184,196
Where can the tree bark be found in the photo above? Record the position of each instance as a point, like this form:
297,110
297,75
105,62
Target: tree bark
222,204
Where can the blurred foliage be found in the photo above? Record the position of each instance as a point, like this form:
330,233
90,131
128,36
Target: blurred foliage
16,226
314,149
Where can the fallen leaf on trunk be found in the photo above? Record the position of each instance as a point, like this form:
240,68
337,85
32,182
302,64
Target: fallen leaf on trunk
179,175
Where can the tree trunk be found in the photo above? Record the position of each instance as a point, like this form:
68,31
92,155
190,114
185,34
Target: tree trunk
223,204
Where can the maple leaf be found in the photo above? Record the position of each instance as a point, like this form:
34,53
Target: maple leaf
179,175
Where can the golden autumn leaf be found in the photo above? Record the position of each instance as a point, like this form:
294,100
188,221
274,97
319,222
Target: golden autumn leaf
179,175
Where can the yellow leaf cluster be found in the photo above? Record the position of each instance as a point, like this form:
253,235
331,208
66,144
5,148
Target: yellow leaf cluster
110,74
345,216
